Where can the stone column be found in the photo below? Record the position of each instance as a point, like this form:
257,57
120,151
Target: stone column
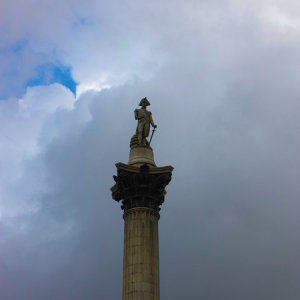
140,185
141,261
141,188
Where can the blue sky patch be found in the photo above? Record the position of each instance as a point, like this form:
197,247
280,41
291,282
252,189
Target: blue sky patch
53,73
18,46
13,83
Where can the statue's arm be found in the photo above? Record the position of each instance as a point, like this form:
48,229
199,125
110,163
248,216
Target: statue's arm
136,114
152,122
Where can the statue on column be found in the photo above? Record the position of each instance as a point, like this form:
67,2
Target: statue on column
144,118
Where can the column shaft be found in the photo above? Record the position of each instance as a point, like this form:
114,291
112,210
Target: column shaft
141,255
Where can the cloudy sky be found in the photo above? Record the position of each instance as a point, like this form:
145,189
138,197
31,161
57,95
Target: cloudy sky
223,79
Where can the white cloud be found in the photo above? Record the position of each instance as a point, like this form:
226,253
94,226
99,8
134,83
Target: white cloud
22,122
280,19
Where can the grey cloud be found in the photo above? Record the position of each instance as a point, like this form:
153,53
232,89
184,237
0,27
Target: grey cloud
225,102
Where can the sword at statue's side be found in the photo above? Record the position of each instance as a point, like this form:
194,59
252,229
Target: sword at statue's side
153,130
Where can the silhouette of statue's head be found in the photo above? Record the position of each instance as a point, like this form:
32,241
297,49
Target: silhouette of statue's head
144,102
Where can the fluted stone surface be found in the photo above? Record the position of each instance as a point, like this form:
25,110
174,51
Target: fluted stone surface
140,186
141,256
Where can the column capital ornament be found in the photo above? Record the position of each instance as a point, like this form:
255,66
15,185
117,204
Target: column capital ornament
142,186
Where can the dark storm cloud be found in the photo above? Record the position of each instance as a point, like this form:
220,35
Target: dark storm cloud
226,103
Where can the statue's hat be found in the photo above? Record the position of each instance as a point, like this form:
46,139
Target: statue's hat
144,102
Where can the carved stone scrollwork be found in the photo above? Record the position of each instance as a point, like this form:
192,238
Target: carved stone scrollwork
141,187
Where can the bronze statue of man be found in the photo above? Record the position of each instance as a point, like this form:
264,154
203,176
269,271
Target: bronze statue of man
144,118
